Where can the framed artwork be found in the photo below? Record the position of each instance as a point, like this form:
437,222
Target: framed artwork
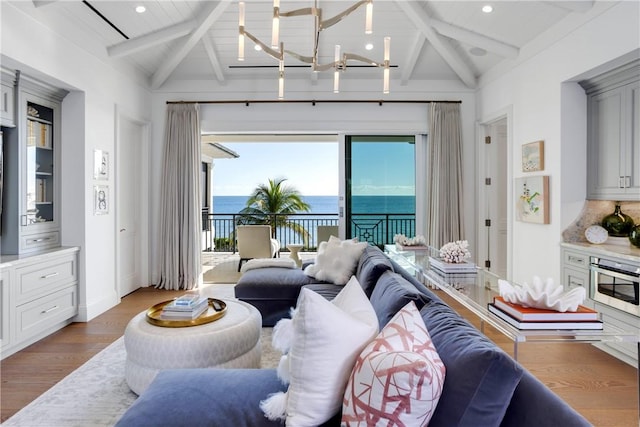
533,156
100,164
101,200
532,199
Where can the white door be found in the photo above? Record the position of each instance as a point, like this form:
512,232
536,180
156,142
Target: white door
129,182
496,197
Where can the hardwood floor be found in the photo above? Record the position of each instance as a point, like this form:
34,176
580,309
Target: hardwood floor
597,385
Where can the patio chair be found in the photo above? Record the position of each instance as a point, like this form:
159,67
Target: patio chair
326,231
254,241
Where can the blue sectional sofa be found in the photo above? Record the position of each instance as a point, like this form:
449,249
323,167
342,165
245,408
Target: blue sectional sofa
483,385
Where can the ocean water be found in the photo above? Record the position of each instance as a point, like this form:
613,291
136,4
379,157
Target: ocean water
329,204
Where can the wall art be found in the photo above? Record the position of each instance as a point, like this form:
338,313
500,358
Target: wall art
100,164
101,200
532,199
533,156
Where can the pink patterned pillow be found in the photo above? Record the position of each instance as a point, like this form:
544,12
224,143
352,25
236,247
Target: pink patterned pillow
398,378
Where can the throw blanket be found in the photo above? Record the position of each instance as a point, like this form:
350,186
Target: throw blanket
268,262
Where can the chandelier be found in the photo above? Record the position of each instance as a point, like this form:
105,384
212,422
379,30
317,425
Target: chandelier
277,51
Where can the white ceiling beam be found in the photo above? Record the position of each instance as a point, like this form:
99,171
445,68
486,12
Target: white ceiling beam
475,39
421,20
154,38
412,58
213,58
572,6
210,15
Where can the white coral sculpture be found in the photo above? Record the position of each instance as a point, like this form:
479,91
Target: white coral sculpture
545,295
455,252
403,240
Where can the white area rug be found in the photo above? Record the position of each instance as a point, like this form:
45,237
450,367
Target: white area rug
96,393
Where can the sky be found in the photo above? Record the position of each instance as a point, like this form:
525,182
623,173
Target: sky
313,168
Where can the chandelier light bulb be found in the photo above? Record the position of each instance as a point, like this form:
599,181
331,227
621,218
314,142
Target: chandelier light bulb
368,24
241,30
387,48
281,75
336,73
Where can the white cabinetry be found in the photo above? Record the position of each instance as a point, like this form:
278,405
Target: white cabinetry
613,170
39,296
7,98
31,208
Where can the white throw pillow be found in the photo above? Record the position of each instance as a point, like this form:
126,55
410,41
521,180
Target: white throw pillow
327,338
336,261
398,378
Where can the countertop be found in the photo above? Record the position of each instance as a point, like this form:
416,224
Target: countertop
623,251
15,260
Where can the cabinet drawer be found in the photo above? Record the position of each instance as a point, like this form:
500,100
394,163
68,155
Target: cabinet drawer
575,259
38,315
573,278
40,241
36,280
618,324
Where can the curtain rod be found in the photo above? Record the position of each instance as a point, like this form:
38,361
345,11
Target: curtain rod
316,101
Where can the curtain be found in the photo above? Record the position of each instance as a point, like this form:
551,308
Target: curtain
444,219
180,217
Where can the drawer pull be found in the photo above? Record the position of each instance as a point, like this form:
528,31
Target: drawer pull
43,239
50,275
576,259
49,310
574,283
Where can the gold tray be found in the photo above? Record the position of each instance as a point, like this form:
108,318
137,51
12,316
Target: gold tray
154,315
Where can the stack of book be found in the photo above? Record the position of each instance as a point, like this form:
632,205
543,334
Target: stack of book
536,318
186,307
450,267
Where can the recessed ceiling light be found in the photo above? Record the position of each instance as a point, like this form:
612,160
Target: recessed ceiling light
257,47
477,51
487,8
368,46
140,9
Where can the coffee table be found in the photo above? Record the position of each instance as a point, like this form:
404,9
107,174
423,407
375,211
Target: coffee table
232,341
295,248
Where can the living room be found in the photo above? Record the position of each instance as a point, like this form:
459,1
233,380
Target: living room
537,93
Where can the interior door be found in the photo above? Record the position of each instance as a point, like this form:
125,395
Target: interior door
496,197
130,260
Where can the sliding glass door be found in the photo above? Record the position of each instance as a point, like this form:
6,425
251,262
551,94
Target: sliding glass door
380,187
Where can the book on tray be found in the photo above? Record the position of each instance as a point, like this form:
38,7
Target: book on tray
185,307
184,315
545,324
536,314
451,267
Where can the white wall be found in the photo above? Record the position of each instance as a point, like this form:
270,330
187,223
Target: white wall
88,124
547,104
321,118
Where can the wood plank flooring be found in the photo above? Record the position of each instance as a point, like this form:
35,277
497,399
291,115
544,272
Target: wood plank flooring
597,385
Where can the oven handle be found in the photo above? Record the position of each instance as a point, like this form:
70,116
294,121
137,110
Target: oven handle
631,277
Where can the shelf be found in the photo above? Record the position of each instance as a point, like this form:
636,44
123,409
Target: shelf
38,119
43,173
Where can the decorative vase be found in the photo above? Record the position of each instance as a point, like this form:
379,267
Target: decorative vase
634,235
618,224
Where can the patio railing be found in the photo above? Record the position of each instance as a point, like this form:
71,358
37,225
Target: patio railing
378,229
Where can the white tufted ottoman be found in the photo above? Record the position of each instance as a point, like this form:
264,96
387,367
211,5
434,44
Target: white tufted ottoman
230,342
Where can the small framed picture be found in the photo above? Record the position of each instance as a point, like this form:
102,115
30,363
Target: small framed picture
533,156
532,199
101,199
100,165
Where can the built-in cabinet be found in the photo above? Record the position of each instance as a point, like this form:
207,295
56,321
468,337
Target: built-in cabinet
576,259
613,171
39,296
31,204
7,98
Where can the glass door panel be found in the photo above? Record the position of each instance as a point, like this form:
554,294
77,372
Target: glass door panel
39,165
380,188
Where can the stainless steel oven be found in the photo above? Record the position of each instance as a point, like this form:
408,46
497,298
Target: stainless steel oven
615,284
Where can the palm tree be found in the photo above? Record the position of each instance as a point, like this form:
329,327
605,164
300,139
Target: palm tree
272,204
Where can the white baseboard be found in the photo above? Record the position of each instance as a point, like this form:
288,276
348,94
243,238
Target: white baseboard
96,308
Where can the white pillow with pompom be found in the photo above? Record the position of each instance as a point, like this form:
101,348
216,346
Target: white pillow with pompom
337,260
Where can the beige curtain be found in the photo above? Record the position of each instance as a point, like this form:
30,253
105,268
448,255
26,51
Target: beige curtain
444,220
180,217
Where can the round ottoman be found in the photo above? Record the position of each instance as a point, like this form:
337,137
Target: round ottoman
232,341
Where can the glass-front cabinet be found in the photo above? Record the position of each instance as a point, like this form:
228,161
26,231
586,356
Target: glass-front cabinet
31,210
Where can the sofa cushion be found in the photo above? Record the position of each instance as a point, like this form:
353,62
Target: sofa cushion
204,397
391,294
370,267
481,378
398,378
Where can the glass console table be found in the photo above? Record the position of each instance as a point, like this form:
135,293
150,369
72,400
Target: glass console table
476,291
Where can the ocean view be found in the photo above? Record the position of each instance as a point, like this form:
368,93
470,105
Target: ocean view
329,204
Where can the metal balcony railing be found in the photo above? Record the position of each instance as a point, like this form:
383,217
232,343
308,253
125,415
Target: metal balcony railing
218,230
